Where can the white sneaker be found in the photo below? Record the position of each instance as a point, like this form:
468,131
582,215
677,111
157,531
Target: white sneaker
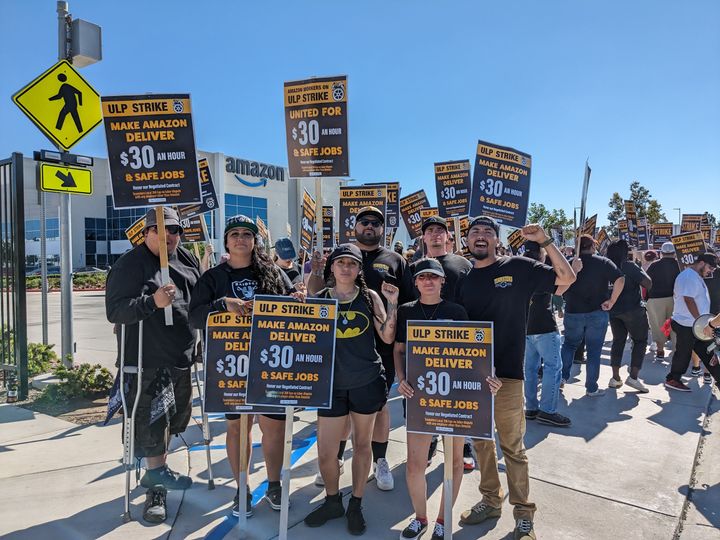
637,385
383,476
597,393
319,482
614,383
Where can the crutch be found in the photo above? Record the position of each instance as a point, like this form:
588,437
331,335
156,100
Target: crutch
207,439
129,419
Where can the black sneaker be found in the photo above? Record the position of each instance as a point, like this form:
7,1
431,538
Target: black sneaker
167,477
415,529
331,508
531,414
696,371
554,419
155,510
248,505
433,449
273,496
355,520
438,532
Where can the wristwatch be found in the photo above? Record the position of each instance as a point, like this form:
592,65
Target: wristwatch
546,243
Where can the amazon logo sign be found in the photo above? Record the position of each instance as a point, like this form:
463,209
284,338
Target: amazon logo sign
260,173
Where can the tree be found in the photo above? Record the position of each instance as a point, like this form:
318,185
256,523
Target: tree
549,219
645,206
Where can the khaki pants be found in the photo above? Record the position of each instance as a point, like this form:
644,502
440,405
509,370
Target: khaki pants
660,310
510,426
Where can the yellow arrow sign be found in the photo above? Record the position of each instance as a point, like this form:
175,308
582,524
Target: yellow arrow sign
62,104
59,179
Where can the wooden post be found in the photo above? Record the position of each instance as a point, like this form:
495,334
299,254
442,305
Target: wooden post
318,216
456,227
243,476
448,448
164,265
285,477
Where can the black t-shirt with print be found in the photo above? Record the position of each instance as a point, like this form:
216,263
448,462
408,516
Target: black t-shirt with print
501,293
541,319
293,273
592,286
415,311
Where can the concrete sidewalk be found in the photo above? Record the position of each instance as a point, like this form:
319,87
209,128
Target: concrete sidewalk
623,470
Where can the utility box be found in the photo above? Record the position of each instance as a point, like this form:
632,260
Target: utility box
86,43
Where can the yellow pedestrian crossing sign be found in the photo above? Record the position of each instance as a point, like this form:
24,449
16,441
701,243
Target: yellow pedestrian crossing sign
62,104
63,179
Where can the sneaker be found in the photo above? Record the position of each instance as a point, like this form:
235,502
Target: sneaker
319,482
383,476
355,520
707,379
524,530
167,477
433,449
415,529
248,505
273,496
597,393
479,513
637,385
331,508
672,384
155,510
614,383
438,532
696,371
553,419
531,414
468,459
660,354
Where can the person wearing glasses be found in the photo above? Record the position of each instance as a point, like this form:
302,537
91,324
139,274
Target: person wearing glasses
135,292
379,266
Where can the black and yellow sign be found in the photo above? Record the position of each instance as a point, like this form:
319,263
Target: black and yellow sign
428,212
632,222
328,226
623,232
603,241
452,182
193,225
352,200
151,150
707,233
63,179
464,226
307,228
716,240
661,233
316,127
447,365
227,342
688,246
292,352
691,222
501,184
62,104
410,207
515,241
392,204
589,226
643,235
209,196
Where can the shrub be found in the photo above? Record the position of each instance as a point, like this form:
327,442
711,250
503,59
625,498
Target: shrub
41,358
84,380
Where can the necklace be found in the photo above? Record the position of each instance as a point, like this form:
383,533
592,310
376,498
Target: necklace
347,311
432,315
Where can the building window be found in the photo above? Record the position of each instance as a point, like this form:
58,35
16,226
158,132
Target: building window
251,207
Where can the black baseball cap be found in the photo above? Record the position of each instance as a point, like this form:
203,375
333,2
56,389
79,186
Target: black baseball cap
487,221
240,221
170,215
434,220
428,265
350,251
370,211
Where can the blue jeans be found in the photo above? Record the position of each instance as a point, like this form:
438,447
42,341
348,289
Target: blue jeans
547,348
593,327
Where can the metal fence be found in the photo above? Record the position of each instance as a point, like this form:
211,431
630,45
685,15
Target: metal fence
13,307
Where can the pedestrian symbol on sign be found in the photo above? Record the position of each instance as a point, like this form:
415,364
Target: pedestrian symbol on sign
67,93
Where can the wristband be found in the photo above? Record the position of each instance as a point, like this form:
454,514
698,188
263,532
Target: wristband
546,243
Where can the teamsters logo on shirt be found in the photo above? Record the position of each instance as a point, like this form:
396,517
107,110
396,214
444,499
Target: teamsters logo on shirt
503,282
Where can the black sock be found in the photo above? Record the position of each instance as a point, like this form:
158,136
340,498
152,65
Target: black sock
334,498
378,450
273,485
355,500
341,449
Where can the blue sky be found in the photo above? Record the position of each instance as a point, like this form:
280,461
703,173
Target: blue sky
634,86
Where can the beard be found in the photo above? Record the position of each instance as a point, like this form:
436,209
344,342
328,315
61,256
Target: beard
368,239
479,256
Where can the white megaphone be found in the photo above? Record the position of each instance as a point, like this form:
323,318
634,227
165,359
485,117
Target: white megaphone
699,326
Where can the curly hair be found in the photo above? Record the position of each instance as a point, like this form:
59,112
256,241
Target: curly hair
364,291
266,272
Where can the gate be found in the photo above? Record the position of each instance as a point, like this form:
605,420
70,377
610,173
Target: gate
13,307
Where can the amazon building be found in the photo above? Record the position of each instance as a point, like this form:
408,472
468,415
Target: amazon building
243,186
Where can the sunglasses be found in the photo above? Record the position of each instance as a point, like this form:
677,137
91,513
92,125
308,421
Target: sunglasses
169,229
371,222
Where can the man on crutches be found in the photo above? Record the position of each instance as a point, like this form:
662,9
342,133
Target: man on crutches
155,357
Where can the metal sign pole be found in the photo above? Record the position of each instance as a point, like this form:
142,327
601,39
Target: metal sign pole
243,477
164,265
285,477
449,450
43,268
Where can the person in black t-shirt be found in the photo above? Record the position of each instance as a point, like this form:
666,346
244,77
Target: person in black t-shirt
429,281
231,286
285,260
499,289
542,344
660,302
628,316
587,303
380,265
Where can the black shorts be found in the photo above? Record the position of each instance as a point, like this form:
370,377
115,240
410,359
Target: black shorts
152,440
388,362
367,399
280,417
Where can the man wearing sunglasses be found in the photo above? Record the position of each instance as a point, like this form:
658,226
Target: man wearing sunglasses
379,265
136,292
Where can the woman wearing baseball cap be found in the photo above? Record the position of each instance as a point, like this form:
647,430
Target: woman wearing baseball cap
359,389
231,286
